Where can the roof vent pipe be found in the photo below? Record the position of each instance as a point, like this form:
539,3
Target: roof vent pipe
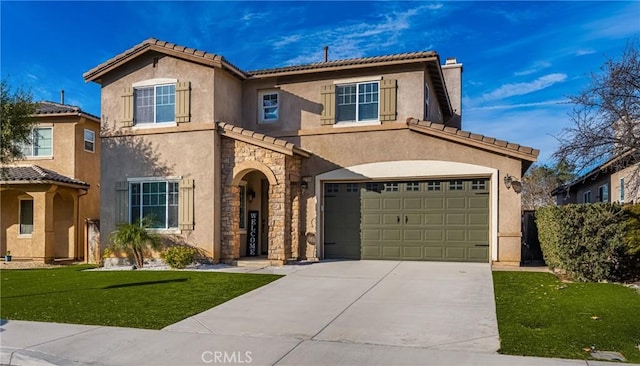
326,53
62,96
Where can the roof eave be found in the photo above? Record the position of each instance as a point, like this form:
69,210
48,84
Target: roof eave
44,181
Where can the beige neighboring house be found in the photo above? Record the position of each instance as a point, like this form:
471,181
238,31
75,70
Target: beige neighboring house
341,159
47,196
611,181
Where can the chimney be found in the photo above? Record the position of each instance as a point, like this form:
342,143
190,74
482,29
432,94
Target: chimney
62,96
452,72
326,53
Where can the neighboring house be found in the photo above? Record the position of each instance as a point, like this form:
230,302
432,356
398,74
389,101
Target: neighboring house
47,197
348,159
608,182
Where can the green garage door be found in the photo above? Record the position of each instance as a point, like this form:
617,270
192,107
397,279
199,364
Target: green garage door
445,220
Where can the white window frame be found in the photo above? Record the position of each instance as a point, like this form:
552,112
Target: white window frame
166,229
586,197
92,141
33,140
262,107
621,195
20,233
154,83
357,121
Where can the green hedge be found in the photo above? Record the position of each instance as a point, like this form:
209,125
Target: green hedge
179,256
591,242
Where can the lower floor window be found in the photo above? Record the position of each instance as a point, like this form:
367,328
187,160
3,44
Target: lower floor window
156,201
26,217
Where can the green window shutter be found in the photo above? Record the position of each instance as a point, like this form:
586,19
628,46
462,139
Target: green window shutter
388,100
186,204
328,100
183,101
127,107
122,202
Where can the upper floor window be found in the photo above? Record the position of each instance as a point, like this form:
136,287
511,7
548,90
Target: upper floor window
41,143
357,102
89,140
426,102
370,100
621,190
155,104
269,106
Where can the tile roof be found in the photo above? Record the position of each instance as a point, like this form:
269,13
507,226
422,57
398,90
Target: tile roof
490,143
153,44
259,139
47,108
361,61
35,174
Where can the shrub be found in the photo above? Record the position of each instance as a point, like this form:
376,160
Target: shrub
135,238
591,242
179,256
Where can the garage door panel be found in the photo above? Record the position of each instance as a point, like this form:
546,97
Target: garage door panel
391,219
434,235
371,204
478,236
412,252
371,235
480,202
434,203
371,220
434,219
412,203
433,253
456,219
479,254
392,251
412,235
456,202
392,235
455,235
391,203
455,253
478,219
371,252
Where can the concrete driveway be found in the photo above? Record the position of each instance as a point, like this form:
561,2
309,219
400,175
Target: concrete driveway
439,306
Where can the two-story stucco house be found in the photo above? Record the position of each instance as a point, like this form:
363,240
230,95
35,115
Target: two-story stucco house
47,197
348,159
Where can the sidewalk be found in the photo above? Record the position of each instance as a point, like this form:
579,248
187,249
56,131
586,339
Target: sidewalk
34,343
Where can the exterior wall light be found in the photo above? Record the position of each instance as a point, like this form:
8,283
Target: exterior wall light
251,195
511,182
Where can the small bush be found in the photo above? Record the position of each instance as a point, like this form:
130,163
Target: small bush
591,242
179,256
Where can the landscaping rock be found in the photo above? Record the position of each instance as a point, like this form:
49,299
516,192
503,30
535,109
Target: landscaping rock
608,355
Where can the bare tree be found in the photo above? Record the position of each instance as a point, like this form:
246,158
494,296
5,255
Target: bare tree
541,180
606,118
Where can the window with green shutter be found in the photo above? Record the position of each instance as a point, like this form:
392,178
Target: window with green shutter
166,102
359,102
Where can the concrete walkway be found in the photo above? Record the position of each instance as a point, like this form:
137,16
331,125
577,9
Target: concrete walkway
329,313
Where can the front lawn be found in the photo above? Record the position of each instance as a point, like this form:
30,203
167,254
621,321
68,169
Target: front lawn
138,299
540,316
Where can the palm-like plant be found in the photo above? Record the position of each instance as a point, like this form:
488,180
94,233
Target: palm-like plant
134,237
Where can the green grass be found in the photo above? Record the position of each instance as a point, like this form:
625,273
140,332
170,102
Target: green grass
137,299
540,316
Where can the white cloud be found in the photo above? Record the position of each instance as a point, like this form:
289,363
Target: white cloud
557,102
533,68
586,51
510,90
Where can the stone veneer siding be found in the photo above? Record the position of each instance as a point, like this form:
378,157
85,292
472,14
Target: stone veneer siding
284,201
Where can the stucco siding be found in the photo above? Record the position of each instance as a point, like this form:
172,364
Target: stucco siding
180,155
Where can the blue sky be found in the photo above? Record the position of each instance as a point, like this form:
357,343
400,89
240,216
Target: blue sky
521,59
